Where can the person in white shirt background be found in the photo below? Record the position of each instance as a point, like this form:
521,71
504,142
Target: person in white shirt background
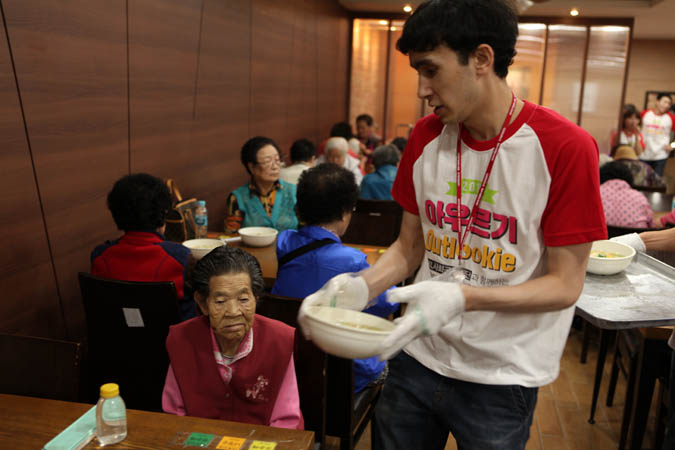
303,156
657,128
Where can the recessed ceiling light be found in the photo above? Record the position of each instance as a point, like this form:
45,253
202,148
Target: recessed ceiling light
574,12
384,22
407,8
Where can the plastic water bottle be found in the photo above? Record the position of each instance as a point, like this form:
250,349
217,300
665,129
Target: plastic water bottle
111,416
201,219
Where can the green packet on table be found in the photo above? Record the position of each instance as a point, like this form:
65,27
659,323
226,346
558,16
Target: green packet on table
77,435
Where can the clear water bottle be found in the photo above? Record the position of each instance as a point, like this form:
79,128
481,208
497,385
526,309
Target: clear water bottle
201,219
111,416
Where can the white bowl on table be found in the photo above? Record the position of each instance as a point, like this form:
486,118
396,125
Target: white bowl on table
201,247
610,266
346,333
258,236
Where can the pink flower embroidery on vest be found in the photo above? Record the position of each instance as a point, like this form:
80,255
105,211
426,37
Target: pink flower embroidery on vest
257,391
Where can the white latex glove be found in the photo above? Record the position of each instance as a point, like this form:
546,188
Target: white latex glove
431,305
632,240
347,290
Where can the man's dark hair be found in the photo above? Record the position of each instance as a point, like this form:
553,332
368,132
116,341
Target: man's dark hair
302,150
462,25
616,170
386,155
249,152
365,118
139,202
660,95
325,193
341,129
224,261
400,143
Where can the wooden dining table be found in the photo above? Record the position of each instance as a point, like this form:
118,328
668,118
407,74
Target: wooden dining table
30,423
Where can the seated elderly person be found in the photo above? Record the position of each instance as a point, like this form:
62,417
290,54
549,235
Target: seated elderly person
643,174
303,156
336,152
230,363
139,204
377,185
265,201
623,205
327,195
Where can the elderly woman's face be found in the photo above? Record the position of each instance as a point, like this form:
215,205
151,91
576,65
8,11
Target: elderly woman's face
268,164
335,156
230,307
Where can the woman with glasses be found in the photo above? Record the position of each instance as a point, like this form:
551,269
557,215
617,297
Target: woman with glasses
265,201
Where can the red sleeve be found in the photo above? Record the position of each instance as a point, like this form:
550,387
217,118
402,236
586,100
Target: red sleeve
403,190
642,114
672,118
573,213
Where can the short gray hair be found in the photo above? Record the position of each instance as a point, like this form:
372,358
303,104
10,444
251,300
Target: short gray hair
223,261
337,143
386,155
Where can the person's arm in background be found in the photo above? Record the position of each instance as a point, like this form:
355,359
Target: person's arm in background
286,412
659,240
235,216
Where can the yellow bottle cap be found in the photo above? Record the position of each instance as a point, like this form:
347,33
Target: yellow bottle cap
110,390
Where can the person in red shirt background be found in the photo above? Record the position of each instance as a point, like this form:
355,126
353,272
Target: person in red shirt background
139,204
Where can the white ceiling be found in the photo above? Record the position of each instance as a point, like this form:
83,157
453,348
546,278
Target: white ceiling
654,19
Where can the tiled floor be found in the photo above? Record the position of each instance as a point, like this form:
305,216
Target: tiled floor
561,417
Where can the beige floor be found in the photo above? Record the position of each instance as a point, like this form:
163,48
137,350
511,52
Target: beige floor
561,417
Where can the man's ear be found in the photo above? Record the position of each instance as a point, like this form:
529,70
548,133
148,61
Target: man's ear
201,302
484,59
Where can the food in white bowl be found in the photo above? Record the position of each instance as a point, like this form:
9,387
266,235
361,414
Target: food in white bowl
609,257
258,236
201,247
346,333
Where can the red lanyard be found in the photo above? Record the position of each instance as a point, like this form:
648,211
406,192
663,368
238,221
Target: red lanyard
462,236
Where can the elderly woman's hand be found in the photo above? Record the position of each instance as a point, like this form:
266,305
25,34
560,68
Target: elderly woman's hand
347,290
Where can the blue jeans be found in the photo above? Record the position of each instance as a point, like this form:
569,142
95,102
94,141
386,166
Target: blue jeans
418,408
658,165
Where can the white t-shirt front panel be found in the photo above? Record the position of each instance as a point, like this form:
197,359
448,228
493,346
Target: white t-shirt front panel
656,131
506,246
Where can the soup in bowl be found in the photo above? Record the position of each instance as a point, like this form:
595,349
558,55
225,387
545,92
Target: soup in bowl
201,247
609,257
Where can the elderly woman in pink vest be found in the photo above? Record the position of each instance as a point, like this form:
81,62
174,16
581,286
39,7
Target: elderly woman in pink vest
230,363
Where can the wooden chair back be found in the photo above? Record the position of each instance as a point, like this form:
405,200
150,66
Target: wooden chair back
127,326
39,367
310,363
374,222
325,382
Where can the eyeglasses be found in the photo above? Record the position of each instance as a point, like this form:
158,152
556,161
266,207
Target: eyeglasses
269,162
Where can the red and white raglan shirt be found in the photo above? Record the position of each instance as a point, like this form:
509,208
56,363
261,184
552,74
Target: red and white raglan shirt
543,192
656,130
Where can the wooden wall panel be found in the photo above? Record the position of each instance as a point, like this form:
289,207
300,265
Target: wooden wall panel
30,303
332,65
163,55
222,105
651,68
70,60
271,48
302,121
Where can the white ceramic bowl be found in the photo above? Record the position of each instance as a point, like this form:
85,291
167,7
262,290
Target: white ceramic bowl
258,236
342,332
610,266
200,247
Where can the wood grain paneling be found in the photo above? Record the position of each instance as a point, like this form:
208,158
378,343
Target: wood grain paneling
31,304
70,60
220,124
651,68
163,55
302,120
271,50
332,64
